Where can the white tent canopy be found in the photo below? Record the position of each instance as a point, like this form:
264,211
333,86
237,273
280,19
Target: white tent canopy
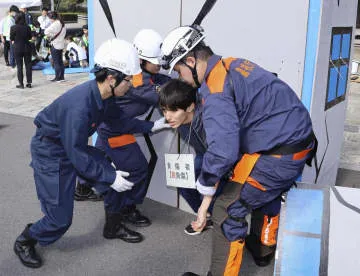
28,3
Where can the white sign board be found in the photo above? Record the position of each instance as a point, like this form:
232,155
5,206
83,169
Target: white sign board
180,170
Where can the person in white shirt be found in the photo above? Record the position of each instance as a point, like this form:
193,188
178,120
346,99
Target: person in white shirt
7,23
44,22
75,54
56,33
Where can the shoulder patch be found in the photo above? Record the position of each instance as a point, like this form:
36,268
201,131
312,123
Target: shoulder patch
137,80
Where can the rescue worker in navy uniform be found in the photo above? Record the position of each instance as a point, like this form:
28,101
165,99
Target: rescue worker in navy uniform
121,146
256,125
60,151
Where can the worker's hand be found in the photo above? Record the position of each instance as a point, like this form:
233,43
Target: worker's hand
200,222
121,184
160,124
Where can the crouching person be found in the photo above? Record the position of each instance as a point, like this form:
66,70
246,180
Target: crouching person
60,150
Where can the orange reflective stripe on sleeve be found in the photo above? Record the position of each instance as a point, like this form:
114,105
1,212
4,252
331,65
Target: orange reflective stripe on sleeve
233,263
244,167
121,140
300,155
269,230
216,79
137,80
253,182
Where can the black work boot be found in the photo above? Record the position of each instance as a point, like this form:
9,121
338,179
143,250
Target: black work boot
115,229
132,215
85,193
24,247
261,241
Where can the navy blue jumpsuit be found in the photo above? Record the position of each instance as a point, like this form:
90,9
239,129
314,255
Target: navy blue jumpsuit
248,111
122,147
60,151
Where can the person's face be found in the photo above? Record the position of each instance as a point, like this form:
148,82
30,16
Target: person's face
85,31
152,68
44,13
123,87
179,117
185,73
13,14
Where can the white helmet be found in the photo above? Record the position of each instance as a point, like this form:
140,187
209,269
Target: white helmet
147,42
118,55
178,43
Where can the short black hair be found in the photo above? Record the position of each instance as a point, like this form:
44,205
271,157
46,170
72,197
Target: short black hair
176,94
14,8
201,51
20,19
45,9
102,73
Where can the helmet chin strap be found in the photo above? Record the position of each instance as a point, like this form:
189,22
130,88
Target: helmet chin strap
193,72
113,90
117,82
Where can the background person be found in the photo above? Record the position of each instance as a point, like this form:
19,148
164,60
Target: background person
8,48
56,34
75,54
28,16
84,42
44,22
20,36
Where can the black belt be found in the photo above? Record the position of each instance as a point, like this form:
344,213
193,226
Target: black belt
291,149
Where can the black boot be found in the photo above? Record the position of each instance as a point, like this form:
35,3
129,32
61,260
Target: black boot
263,229
115,229
24,247
132,215
85,193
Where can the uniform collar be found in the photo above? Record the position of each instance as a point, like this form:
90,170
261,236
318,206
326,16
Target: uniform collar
96,93
212,61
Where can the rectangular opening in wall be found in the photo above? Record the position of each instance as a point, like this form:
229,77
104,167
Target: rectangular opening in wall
338,65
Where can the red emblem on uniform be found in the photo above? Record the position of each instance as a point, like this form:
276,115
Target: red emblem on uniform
93,125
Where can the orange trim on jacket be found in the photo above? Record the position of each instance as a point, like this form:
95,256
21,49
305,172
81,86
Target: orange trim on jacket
122,140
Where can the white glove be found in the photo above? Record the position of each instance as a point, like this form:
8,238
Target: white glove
160,124
121,184
205,190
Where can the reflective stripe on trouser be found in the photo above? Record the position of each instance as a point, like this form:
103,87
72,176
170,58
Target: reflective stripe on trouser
128,158
269,178
227,254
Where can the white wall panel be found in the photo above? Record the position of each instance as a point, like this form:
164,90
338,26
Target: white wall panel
269,33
